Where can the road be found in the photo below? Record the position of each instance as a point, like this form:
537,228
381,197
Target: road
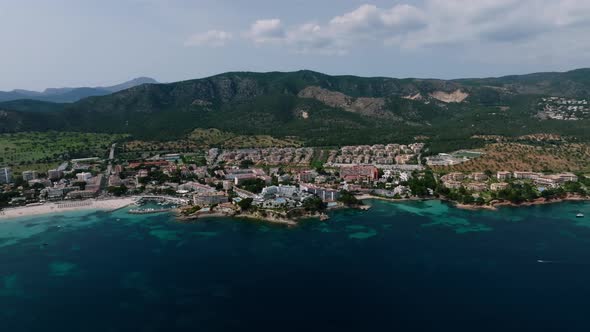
111,158
112,153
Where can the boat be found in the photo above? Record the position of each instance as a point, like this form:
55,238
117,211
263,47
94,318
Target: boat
580,215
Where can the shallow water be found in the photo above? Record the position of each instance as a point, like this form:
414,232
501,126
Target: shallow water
400,266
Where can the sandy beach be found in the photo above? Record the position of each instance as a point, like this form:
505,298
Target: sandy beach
65,206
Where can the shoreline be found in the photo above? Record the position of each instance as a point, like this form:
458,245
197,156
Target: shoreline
269,216
48,208
493,206
114,204
539,201
248,216
387,199
271,219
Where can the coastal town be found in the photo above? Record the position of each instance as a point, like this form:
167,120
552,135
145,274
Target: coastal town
278,184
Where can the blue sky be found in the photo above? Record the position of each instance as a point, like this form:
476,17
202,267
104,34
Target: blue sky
89,43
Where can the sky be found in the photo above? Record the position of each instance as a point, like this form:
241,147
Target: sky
59,43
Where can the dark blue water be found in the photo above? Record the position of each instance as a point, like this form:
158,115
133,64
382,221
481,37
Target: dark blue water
410,267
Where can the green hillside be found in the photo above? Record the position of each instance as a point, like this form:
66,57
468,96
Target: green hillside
318,109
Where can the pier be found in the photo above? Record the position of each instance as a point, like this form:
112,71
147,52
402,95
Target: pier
148,211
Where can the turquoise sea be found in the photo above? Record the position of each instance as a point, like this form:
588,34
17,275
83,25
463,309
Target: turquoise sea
417,266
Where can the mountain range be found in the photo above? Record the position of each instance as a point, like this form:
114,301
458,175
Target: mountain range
69,95
317,109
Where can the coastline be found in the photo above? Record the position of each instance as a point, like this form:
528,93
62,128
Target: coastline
494,205
114,204
243,215
369,196
267,216
59,207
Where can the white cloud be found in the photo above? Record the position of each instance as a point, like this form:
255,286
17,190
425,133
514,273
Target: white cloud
434,23
211,38
264,31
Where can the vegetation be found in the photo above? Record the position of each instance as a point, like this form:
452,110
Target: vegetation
244,164
420,183
245,204
118,191
348,198
531,156
33,150
190,210
314,204
5,197
250,109
518,193
253,185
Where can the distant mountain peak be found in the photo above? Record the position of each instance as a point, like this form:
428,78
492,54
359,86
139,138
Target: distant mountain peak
69,94
130,84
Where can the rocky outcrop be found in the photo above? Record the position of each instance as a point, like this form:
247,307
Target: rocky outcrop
200,102
330,98
362,105
456,96
417,96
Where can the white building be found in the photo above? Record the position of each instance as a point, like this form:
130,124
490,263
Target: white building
281,191
83,177
29,175
5,175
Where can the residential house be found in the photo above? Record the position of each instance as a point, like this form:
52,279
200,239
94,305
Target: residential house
29,175
478,176
498,186
451,184
54,174
477,186
84,176
526,175
455,176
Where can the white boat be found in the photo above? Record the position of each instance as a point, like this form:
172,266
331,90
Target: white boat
580,215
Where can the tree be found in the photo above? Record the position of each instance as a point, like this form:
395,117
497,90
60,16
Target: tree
253,185
419,184
348,198
118,191
479,200
246,163
245,204
80,184
38,186
19,181
314,204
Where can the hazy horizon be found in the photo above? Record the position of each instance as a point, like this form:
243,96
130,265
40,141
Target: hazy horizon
85,43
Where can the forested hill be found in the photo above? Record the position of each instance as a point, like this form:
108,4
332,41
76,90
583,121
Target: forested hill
316,108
